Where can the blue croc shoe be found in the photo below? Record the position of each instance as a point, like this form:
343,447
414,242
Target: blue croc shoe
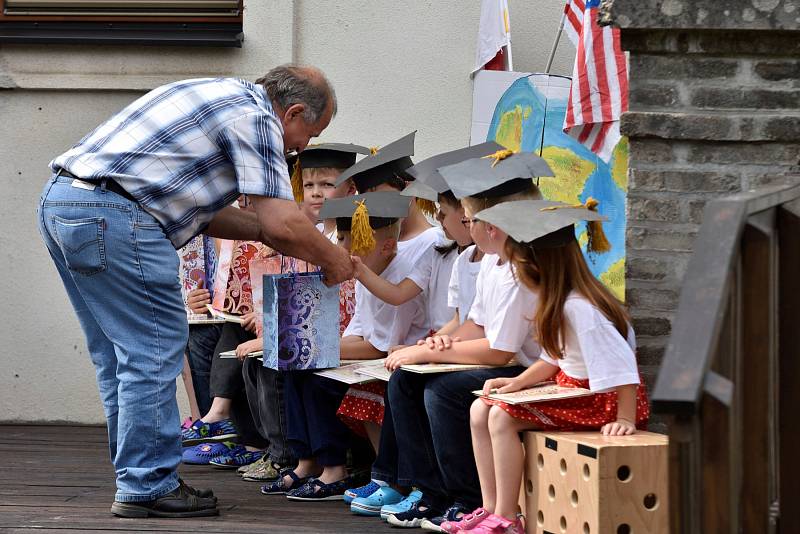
201,432
236,458
203,453
363,491
371,506
403,506
277,486
317,490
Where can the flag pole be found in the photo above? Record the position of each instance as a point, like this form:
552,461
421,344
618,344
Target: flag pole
555,43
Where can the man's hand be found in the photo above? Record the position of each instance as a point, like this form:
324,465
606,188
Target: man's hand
197,299
340,268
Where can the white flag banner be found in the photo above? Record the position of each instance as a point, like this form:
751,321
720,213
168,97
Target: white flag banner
493,33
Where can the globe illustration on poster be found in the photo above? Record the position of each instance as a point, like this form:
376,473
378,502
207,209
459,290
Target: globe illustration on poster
528,116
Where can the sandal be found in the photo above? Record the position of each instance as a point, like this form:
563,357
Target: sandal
278,487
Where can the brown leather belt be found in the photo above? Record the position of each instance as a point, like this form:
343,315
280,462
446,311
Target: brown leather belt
106,183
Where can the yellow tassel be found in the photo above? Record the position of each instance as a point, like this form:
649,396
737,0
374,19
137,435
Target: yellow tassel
362,240
373,150
297,181
598,242
426,206
499,156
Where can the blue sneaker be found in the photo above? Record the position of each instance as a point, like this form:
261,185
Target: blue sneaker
236,458
415,515
203,453
402,506
452,514
201,432
371,506
363,491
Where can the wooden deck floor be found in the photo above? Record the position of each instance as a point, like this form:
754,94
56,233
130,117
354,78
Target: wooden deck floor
60,478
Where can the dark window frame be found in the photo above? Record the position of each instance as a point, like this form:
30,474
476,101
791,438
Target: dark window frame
210,31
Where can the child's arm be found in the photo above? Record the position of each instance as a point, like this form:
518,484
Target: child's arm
449,327
626,412
394,294
540,371
473,351
358,348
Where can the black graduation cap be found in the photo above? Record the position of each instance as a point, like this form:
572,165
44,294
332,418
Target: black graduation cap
361,214
379,166
547,224
427,170
333,155
498,174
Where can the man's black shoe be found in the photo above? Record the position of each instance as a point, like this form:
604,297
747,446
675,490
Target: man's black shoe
206,493
177,503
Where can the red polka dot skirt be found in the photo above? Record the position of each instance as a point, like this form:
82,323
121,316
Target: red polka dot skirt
362,403
580,413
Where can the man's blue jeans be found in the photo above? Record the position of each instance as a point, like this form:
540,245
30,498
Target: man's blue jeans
121,275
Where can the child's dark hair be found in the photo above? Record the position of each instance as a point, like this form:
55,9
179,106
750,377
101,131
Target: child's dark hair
450,199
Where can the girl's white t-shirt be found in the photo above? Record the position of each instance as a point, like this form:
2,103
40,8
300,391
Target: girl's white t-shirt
432,274
461,290
594,349
504,307
413,249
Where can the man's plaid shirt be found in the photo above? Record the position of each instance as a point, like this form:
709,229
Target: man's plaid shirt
186,150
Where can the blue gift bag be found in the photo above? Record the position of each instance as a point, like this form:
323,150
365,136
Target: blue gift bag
301,322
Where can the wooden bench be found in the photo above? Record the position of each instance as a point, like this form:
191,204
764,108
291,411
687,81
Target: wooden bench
584,482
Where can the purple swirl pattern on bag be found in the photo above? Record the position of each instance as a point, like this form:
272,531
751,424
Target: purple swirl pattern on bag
299,302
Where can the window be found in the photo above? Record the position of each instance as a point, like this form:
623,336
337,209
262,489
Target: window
162,22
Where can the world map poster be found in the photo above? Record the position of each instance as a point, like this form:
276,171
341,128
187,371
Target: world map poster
523,111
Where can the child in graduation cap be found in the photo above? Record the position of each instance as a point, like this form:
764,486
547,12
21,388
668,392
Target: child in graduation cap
586,341
368,225
431,412
314,174
386,169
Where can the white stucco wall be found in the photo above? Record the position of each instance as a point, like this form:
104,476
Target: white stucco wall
396,66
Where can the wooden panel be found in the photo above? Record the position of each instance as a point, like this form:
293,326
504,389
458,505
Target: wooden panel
789,370
754,386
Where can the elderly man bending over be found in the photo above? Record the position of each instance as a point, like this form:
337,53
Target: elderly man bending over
141,185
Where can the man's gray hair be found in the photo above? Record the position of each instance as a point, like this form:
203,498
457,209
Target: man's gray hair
288,85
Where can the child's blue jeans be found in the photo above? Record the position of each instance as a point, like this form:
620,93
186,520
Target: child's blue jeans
121,275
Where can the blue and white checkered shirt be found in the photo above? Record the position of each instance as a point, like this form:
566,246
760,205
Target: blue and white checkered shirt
186,150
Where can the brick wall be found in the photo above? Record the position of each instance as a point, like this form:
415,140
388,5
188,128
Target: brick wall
714,109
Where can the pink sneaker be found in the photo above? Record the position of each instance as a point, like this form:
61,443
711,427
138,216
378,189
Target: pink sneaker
467,522
187,423
495,524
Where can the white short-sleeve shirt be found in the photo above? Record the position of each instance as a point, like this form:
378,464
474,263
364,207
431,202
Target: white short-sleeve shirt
461,290
594,349
504,308
432,275
413,249
384,325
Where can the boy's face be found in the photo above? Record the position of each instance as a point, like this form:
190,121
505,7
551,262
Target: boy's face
316,188
371,259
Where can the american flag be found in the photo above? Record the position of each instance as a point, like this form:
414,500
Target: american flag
599,92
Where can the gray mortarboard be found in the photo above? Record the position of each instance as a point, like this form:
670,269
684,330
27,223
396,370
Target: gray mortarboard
333,155
380,166
421,190
427,170
361,214
500,174
547,224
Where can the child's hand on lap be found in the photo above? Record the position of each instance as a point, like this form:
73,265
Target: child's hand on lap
502,385
620,427
249,346
197,299
249,321
405,356
440,342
